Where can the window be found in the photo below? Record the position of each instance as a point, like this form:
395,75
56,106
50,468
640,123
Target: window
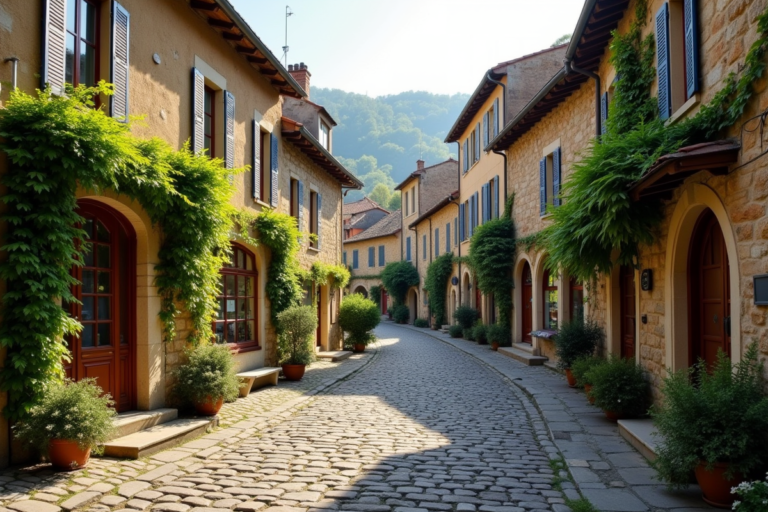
344,258
408,249
406,204
477,142
325,135
297,202
549,180
381,256
466,154
236,319
448,237
437,242
355,260
371,257
314,219
413,200
577,300
209,132
260,164
473,143
455,231
82,59
677,53
467,218
550,301
423,247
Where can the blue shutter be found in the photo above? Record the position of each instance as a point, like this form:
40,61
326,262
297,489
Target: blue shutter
604,113
437,242
256,161
448,237
496,199
355,259
408,249
54,45
477,142
456,230
486,125
118,102
466,155
381,255
461,222
371,257
543,186
477,210
319,218
496,117
556,158
344,258
690,17
471,216
198,111
274,170
423,247
229,130
300,203
662,62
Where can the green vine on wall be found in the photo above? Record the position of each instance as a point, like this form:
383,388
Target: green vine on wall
55,144
436,284
397,278
321,273
598,218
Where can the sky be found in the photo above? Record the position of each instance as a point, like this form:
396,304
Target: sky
380,47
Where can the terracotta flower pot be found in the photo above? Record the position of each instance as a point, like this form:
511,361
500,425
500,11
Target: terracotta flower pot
716,489
614,416
209,406
358,348
494,345
66,454
294,372
588,390
570,377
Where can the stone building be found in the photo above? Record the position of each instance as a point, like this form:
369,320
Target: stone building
361,215
197,72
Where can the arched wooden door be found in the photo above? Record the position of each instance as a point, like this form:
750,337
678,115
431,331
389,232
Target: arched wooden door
106,347
383,301
709,286
527,292
627,311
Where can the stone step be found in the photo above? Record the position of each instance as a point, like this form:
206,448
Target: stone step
157,438
639,433
525,347
334,355
127,423
522,356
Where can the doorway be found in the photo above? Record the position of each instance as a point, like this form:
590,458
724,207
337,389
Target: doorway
106,347
383,301
527,293
627,308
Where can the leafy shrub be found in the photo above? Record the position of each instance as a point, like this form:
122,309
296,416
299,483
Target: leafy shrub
480,333
436,284
575,339
469,334
297,325
465,316
753,496
401,314
582,366
208,372
500,334
619,386
420,322
358,316
74,411
375,294
397,277
455,331
720,416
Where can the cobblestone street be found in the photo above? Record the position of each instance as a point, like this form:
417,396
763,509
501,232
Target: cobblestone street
413,425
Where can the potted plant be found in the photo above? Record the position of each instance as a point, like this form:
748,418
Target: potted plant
358,316
455,331
480,333
294,343
466,317
753,496
498,336
207,379
575,339
580,370
713,422
73,419
619,388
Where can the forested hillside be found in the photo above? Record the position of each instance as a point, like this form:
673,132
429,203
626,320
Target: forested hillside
380,139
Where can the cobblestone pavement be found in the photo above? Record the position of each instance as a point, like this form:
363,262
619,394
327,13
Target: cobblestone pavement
606,469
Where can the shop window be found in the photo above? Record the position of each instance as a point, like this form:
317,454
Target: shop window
236,322
550,301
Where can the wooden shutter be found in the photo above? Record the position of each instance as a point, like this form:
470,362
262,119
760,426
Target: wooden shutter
466,155
54,46
229,130
319,218
423,247
408,249
455,231
497,117
448,237
486,125
274,169
477,143
543,186
477,210
461,222
487,203
471,216
355,259
556,158
300,203
371,257
690,16
198,111
662,62
437,242
256,161
381,255
118,102
344,258
604,113
496,203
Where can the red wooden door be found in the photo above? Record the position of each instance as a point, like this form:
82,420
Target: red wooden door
479,302
628,318
383,301
709,298
105,348
527,290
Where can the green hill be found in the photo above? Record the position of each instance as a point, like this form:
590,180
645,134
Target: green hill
380,139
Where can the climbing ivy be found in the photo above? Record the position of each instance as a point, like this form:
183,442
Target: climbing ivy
55,145
436,284
598,218
397,277
321,273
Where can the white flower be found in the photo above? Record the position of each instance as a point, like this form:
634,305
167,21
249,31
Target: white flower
80,435
74,409
49,427
736,504
67,427
55,414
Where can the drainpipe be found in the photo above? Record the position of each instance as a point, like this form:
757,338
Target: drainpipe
503,96
570,67
14,72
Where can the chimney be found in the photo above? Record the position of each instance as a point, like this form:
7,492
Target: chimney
419,164
301,74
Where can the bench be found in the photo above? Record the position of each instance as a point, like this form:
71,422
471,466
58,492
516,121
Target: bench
264,376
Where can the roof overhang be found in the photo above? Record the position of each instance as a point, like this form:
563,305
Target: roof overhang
300,137
478,98
222,16
439,206
671,170
407,180
354,239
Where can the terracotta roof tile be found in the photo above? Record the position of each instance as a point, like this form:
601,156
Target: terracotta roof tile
389,225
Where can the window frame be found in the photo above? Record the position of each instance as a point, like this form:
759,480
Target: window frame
313,218
210,92
575,285
76,79
325,134
546,287
248,345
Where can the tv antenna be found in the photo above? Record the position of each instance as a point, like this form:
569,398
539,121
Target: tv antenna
288,12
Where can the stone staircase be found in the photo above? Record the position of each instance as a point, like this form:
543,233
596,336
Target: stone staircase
524,353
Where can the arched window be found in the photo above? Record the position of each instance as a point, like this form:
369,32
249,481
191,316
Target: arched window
577,300
236,322
550,301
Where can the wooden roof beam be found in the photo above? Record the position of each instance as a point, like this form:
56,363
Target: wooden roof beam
203,6
226,25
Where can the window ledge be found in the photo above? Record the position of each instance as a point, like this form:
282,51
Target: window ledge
683,110
262,203
313,249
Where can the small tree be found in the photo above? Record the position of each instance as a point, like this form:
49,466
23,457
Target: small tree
397,278
358,316
297,324
576,339
375,294
436,283
465,316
